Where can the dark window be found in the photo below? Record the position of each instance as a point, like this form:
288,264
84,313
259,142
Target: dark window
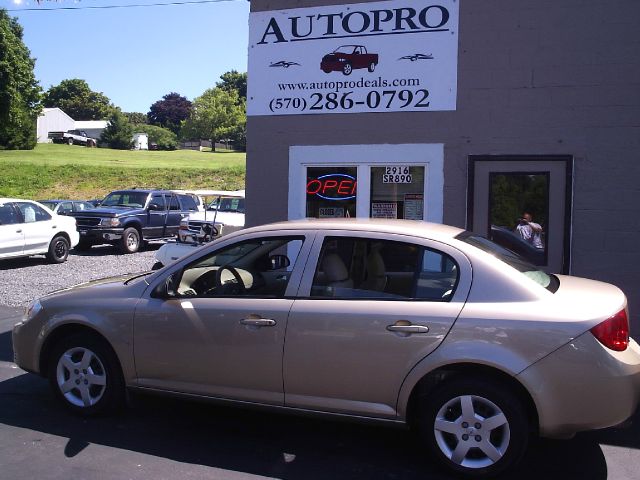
256,268
188,203
157,201
172,200
356,268
33,213
8,214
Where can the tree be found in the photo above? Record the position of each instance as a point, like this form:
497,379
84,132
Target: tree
20,93
136,117
119,132
170,112
78,101
234,80
216,114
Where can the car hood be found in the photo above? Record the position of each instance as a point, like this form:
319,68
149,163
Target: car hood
101,288
226,218
107,212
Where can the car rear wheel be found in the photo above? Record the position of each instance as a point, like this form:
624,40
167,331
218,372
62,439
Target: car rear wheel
347,69
58,250
70,141
130,242
85,375
477,428
372,67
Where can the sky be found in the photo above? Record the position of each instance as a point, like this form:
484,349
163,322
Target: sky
135,55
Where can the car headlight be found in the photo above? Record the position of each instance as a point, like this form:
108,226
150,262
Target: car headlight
32,310
109,222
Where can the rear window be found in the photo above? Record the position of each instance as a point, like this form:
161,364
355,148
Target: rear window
550,282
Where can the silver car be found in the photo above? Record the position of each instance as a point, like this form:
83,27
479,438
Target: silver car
398,321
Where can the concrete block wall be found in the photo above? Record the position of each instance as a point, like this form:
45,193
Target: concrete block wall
535,78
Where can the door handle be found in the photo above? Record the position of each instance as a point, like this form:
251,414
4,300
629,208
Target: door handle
18,231
407,328
258,322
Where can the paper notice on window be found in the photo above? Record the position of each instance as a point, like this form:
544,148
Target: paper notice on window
414,206
384,210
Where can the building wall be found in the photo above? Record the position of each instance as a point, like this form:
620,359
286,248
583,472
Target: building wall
534,78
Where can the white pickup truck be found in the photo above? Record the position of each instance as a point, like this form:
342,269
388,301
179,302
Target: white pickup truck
70,137
224,215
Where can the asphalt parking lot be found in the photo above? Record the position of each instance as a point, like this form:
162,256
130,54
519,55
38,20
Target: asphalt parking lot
164,438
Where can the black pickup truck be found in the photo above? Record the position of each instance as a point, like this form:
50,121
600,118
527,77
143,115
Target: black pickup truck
127,218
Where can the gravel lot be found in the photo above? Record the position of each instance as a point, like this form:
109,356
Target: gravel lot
22,280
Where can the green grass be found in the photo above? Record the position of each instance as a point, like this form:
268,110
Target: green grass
62,171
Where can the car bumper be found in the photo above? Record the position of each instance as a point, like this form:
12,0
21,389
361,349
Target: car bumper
100,235
26,343
584,386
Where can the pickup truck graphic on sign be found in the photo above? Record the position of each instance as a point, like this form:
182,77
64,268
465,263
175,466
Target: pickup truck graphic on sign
347,58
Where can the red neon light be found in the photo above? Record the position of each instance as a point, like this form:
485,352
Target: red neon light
332,188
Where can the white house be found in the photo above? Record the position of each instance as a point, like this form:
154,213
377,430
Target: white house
53,120
94,128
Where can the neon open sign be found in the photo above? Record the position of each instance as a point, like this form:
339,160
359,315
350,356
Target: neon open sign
334,186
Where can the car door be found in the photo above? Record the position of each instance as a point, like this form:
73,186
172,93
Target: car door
370,307
156,216
218,329
11,231
38,227
174,215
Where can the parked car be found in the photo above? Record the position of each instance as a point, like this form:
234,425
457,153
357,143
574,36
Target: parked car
347,58
28,228
71,137
398,321
223,215
64,207
514,242
127,218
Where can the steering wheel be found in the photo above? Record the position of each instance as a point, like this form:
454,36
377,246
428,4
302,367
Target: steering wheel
234,288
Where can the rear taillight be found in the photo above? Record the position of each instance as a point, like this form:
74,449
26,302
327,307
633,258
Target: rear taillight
613,333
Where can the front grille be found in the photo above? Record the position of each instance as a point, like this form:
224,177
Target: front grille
87,221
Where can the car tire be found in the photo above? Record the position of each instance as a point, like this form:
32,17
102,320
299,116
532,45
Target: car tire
130,242
70,141
85,375
58,250
466,418
347,68
372,67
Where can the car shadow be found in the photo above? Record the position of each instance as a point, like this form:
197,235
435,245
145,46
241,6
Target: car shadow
22,262
266,443
108,249
6,351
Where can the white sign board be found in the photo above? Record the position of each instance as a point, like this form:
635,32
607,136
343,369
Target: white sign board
390,56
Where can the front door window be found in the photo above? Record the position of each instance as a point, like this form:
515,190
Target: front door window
331,192
397,191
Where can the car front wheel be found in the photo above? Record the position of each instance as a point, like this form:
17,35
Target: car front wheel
58,250
130,242
85,375
476,428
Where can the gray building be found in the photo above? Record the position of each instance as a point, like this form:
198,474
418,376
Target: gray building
469,112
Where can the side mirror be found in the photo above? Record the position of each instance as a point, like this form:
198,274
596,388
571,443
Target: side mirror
167,289
279,262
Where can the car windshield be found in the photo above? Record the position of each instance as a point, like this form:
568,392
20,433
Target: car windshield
125,199
550,282
227,204
50,204
345,49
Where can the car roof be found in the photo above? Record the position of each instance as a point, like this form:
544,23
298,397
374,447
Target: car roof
435,231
